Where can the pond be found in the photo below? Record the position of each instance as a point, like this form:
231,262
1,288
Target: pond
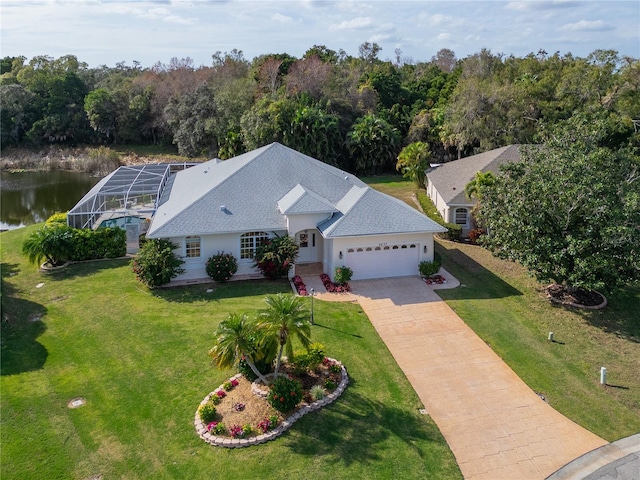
31,197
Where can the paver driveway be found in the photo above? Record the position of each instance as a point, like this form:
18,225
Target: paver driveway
496,426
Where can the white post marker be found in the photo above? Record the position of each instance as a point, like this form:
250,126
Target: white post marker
551,336
603,376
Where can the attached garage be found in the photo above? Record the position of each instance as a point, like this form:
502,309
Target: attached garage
386,260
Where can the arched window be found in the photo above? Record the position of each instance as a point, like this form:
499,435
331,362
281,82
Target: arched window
192,247
249,242
461,216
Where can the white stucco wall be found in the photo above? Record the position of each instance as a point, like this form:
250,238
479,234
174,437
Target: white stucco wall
296,223
209,246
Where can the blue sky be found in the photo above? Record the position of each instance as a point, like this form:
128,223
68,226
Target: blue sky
104,32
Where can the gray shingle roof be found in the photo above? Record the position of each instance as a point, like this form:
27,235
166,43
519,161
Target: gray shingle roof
450,178
301,200
255,187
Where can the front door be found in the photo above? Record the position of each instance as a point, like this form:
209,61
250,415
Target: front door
308,240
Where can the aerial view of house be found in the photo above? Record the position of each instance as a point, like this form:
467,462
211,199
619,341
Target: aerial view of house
336,219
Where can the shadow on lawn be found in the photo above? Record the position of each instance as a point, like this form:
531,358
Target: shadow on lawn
235,289
476,282
620,317
353,429
85,269
21,325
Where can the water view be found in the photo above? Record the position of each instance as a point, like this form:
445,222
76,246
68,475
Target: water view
31,197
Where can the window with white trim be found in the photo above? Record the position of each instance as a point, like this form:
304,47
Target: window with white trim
249,242
460,216
192,247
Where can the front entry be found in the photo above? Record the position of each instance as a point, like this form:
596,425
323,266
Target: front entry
309,242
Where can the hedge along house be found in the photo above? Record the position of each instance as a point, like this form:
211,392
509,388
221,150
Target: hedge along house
446,183
231,206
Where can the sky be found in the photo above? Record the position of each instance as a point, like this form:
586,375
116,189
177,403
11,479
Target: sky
105,32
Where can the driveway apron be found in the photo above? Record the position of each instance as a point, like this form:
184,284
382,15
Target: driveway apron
496,426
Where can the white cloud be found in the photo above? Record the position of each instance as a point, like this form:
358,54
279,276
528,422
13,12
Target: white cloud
539,5
357,23
444,37
586,26
155,13
281,18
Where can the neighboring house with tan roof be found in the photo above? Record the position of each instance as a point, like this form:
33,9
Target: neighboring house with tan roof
231,206
446,183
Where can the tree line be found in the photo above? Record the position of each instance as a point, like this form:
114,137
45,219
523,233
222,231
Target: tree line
355,112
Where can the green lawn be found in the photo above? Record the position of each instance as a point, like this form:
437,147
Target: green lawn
140,360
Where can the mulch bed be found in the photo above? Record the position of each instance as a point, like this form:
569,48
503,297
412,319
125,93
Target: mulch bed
579,298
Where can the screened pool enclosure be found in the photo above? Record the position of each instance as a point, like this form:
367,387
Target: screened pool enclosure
126,198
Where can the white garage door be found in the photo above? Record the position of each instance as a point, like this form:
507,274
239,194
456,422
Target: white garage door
392,260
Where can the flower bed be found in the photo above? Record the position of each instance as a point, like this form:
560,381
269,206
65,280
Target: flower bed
332,287
269,427
299,285
435,280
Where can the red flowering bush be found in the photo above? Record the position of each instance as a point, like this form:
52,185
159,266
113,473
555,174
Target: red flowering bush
268,423
274,257
221,267
332,287
301,288
285,394
435,280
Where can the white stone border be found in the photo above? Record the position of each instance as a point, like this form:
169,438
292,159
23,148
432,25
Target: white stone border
228,442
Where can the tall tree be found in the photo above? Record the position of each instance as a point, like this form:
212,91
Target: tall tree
413,161
235,340
373,145
285,317
570,211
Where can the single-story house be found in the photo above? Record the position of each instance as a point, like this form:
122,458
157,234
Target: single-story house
446,183
231,206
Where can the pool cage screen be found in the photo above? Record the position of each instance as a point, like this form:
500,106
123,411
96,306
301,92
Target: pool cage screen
130,194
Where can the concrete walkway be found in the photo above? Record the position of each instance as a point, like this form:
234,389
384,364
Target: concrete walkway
496,426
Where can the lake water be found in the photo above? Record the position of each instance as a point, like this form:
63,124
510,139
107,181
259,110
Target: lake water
31,197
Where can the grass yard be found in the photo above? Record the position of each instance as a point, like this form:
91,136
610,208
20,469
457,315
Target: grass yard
139,358
394,185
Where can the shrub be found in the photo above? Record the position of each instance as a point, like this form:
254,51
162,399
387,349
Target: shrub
58,218
285,394
335,368
207,412
453,233
342,275
156,263
221,267
475,234
317,392
429,268
275,256
102,243
310,359
329,384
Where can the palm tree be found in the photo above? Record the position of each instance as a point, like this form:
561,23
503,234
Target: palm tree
475,188
50,243
234,342
285,317
413,161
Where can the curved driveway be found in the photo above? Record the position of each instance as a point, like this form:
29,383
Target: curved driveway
496,426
